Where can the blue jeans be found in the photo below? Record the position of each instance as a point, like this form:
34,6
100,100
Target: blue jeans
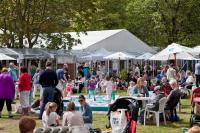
48,96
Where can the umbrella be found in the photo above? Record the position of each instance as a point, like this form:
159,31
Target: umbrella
179,56
120,56
175,48
5,57
145,56
174,51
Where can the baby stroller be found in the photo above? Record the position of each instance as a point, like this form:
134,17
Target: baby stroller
195,112
129,107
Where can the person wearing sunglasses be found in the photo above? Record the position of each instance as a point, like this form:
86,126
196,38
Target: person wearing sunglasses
86,112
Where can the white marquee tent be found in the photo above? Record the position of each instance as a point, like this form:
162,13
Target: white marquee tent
120,56
111,40
5,57
196,50
97,55
145,56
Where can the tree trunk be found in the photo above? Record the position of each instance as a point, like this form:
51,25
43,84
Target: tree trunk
21,42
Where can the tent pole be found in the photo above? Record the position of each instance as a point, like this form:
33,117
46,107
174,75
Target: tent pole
153,67
108,67
175,59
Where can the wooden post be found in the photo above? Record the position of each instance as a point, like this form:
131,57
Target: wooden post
175,59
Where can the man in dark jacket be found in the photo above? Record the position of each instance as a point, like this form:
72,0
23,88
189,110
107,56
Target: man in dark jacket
174,96
155,103
48,80
173,99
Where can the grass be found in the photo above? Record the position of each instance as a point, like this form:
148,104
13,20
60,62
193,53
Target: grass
100,120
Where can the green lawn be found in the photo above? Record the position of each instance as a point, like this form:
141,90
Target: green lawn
100,120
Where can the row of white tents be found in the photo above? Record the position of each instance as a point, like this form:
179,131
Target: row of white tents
173,51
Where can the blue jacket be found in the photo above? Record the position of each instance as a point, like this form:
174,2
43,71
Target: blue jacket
13,73
136,92
86,113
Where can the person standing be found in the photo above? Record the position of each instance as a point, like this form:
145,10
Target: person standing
48,80
108,84
86,112
86,71
62,75
24,87
171,73
91,87
7,91
197,73
36,84
12,70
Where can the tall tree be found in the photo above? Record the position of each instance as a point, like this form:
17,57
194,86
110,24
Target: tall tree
161,22
110,14
22,22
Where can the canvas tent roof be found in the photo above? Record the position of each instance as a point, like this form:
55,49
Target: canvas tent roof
97,55
111,40
32,53
196,50
5,57
182,52
145,56
9,52
119,56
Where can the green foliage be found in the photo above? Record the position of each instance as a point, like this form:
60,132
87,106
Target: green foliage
123,74
156,22
32,19
161,22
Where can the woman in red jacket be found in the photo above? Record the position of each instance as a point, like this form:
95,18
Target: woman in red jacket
24,87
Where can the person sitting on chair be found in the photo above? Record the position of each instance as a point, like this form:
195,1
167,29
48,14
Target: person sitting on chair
165,86
189,81
173,98
154,105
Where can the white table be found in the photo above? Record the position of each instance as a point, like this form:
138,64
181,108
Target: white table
142,98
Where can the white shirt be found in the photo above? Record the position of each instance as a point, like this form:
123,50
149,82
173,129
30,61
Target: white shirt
190,79
49,120
171,73
108,85
72,118
130,90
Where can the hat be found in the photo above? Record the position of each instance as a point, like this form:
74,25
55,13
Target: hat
4,69
157,88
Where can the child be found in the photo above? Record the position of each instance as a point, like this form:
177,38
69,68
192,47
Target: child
69,88
108,84
50,117
194,129
130,88
114,87
91,87
26,125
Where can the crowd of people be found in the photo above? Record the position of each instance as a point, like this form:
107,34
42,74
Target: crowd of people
140,80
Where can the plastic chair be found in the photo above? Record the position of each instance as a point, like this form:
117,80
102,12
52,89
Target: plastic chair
162,103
